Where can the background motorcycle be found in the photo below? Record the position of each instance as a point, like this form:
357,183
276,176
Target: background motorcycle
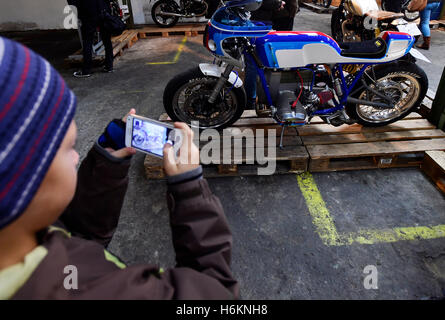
166,13
349,23
324,3
301,75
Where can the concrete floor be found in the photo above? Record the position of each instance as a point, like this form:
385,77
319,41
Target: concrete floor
277,253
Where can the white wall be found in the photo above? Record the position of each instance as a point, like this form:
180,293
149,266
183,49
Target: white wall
31,14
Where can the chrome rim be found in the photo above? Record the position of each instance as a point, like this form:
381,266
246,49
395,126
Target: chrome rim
190,103
164,20
402,88
412,15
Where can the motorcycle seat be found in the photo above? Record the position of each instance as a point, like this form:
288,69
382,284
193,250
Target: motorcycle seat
374,49
381,15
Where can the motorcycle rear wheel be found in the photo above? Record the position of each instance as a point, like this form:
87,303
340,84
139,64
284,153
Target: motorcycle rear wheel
165,6
404,82
186,100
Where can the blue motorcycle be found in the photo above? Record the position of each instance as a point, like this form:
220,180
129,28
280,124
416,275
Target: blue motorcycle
299,75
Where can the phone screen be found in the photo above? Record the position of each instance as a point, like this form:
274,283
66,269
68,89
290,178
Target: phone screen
149,137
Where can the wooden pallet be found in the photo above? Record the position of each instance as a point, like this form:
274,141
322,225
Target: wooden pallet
434,166
189,30
126,40
292,159
316,8
320,147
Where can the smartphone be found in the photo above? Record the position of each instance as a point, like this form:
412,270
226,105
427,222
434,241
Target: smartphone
150,136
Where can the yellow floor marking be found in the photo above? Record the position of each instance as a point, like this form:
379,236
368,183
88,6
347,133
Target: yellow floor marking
325,227
176,58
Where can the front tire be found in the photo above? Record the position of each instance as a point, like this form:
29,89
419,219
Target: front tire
186,100
165,6
403,81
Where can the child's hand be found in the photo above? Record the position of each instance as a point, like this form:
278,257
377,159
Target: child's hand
124,152
188,153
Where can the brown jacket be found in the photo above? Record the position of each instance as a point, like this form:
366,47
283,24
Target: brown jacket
201,238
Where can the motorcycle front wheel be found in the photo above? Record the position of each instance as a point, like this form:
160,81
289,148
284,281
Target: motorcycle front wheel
162,20
403,82
186,100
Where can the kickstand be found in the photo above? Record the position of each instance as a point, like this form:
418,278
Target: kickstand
282,135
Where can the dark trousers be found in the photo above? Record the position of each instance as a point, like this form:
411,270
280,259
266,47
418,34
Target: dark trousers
88,30
283,24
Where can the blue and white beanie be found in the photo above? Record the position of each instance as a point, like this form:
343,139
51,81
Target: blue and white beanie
36,109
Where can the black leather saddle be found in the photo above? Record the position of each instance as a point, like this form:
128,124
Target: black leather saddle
375,49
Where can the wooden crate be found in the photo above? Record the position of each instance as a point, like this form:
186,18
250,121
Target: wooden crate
434,166
189,30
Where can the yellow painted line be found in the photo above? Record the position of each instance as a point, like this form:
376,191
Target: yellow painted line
176,58
325,227
393,235
321,217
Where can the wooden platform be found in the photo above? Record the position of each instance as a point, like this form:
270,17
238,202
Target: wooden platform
129,37
320,147
293,159
189,30
316,8
434,166
126,40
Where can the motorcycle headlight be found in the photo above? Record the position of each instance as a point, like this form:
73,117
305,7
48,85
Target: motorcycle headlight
211,45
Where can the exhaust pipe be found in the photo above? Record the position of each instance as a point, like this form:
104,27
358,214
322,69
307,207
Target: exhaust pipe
162,13
368,103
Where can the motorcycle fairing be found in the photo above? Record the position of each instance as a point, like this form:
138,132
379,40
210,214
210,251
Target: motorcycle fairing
291,49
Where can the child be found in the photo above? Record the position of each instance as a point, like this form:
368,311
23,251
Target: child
55,222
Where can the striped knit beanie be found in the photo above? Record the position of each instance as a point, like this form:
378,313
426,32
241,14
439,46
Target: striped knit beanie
36,109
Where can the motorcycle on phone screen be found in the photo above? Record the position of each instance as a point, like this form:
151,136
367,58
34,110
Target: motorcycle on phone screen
301,75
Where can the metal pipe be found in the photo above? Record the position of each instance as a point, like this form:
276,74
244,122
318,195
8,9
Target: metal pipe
367,103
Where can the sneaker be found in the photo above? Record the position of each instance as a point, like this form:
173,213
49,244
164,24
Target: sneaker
81,74
107,70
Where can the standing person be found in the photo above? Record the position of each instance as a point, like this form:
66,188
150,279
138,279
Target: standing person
283,20
89,12
55,221
263,14
425,16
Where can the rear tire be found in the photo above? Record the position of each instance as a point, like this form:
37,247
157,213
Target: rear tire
392,76
194,106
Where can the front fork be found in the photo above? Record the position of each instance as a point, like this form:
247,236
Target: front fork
220,84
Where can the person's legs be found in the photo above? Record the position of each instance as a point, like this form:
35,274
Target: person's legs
425,16
88,30
106,39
